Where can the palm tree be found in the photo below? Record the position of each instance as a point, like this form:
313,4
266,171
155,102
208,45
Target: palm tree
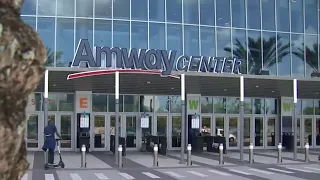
255,54
311,56
50,57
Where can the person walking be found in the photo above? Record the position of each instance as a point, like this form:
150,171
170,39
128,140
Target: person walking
50,141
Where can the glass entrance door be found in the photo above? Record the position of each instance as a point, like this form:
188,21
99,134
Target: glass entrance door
99,136
33,132
317,131
247,133
233,132
271,131
175,131
131,130
162,126
307,130
258,132
65,126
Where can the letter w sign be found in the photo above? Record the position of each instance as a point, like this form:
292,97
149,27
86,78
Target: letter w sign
193,104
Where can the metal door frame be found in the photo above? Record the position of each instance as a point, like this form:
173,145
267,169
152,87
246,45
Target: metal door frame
107,132
138,129
251,130
156,115
73,127
276,135
303,129
227,134
40,131
169,133
214,133
263,129
315,131
212,125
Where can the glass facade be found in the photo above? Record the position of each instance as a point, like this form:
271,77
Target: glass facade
278,36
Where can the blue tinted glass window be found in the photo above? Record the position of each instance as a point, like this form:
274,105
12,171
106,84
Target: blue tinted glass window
254,54
29,7
223,12
223,42
156,36
253,17
84,8
238,13
30,20
103,9
84,30
139,9
283,54
268,15
121,9
156,10
65,8
297,17
298,59
102,36
174,12
208,46
282,8
239,47
191,11
174,33
191,40
269,52
207,12
311,53
311,16
65,41
47,7
121,37
139,35
46,32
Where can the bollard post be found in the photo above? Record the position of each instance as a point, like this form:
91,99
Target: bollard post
221,154
155,155
189,163
251,153
279,153
307,152
120,155
83,156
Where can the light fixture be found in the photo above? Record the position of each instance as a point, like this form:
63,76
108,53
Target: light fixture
272,91
317,93
54,85
172,88
225,90
148,82
257,86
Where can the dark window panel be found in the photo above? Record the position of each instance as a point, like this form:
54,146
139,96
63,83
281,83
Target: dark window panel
46,31
191,12
156,10
254,21
174,11
65,41
223,13
268,15
139,35
47,7
207,15
139,10
283,54
103,9
238,13
65,8
84,8
121,9
29,7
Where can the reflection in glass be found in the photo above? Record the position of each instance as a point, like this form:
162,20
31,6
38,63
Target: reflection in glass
176,131
238,13
271,106
258,131
139,35
271,129
282,8
317,132
191,12
147,131
299,107
311,53
239,39
99,131
223,42
317,107
112,102
174,41
299,132
162,104
206,105
175,104
191,40
103,9
268,15
84,8
156,36
84,30
65,131
308,131
121,31
247,131
113,126
46,7
253,14
297,41
32,131
258,106
254,59
174,9
311,13
220,130
131,103
139,10
283,55
233,105
233,131
146,103
121,9
207,36
66,8
269,50
53,102
162,125
131,135
206,15
46,30
307,107
99,103
247,105
64,42
102,36
66,102
206,126
219,104
223,13
297,16
156,10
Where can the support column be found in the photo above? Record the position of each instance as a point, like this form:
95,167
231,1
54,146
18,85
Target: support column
241,116
183,119
295,128
116,141
45,106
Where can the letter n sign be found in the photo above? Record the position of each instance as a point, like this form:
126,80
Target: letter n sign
193,104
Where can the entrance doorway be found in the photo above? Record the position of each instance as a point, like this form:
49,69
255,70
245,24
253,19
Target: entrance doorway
310,131
228,126
34,136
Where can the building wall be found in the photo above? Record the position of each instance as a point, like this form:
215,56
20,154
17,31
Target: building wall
279,36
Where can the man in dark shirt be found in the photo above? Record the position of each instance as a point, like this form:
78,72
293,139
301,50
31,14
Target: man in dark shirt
50,141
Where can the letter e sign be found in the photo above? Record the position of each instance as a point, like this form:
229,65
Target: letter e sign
83,102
